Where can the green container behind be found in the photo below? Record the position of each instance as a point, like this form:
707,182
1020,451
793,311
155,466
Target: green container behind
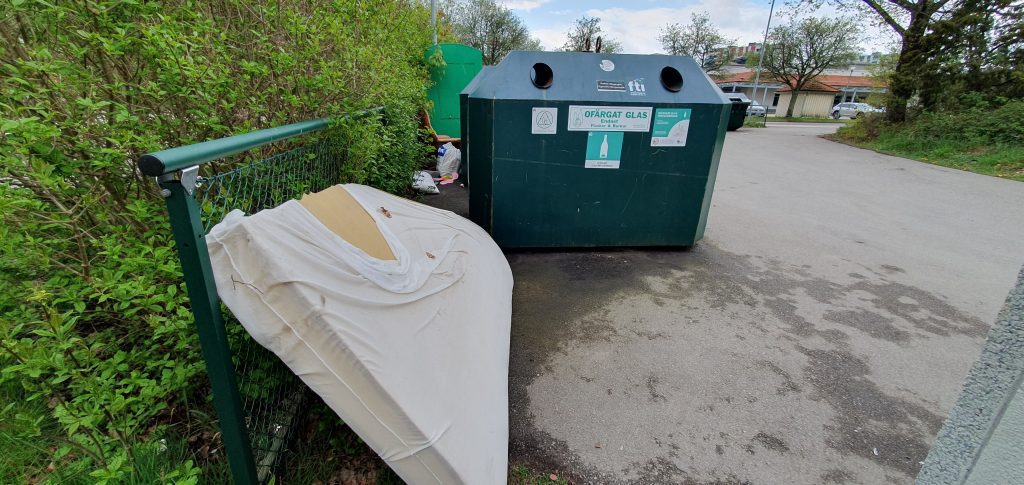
461,64
592,150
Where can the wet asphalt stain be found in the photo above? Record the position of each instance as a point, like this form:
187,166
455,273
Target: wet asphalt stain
888,268
554,302
837,475
652,382
788,384
770,442
648,334
561,302
870,323
661,470
657,470
868,419
927,312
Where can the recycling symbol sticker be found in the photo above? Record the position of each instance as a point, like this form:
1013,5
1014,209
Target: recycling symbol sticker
544,121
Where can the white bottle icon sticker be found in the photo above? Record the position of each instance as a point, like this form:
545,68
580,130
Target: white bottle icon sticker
604,147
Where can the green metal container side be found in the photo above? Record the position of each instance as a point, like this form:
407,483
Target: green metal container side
657,197
462,63
468,131
532,190
738,115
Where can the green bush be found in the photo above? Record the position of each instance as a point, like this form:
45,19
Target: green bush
974,127
980,138
977,126
865,128
93,320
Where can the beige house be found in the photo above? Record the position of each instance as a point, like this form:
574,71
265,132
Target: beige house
815,100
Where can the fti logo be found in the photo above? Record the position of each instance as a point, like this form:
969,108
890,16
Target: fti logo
636,87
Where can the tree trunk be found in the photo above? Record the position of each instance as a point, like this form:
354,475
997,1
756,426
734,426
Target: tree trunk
905,77
792,102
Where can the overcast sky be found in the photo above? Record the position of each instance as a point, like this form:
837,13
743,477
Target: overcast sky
635,23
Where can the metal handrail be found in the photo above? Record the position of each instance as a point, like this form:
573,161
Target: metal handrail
174,159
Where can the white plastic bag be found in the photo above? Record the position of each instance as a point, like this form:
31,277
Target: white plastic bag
424,183
449,159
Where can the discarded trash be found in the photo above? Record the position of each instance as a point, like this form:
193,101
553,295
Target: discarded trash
447,179
448,159
875,450
426,388
423,182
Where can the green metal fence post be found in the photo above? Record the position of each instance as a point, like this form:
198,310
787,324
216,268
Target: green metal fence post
190,241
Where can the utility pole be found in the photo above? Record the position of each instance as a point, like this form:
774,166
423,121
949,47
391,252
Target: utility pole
760,61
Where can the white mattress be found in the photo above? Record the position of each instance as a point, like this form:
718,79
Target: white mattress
411,353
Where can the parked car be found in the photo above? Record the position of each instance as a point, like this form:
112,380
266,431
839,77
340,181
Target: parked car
756,109
852,110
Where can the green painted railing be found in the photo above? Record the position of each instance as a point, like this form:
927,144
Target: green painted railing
196,204
175,159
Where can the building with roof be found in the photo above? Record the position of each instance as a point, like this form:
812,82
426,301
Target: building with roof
816,99
739,54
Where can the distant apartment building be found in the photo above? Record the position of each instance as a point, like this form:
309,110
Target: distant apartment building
859,66
869,59
739,54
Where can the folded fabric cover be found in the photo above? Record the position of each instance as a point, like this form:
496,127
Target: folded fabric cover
412,353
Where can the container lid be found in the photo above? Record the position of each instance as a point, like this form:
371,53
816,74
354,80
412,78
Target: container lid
594,77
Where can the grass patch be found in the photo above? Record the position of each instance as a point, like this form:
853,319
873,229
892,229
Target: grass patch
35,449
985,141
753,122
522,475
27,436
998,161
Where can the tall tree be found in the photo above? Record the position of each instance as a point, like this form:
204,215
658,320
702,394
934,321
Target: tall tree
585,35
979,49
699,39
912,22
800,50
488,26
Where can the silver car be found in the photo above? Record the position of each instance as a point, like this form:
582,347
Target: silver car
756,109
851,110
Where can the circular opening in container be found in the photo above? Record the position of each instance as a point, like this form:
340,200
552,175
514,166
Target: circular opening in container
671,79
541,75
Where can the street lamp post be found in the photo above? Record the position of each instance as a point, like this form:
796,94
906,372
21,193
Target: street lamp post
853,98
760,61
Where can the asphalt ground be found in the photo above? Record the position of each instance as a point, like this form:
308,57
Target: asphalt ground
820,332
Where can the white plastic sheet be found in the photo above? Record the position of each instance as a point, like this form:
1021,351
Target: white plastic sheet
412,353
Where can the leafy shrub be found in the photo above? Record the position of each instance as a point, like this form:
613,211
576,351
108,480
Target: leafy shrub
93,319
977,126
979,138
864,128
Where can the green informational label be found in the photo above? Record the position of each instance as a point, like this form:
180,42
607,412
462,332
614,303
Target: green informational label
604,149
670,127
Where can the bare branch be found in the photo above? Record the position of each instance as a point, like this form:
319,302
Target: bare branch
886,16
